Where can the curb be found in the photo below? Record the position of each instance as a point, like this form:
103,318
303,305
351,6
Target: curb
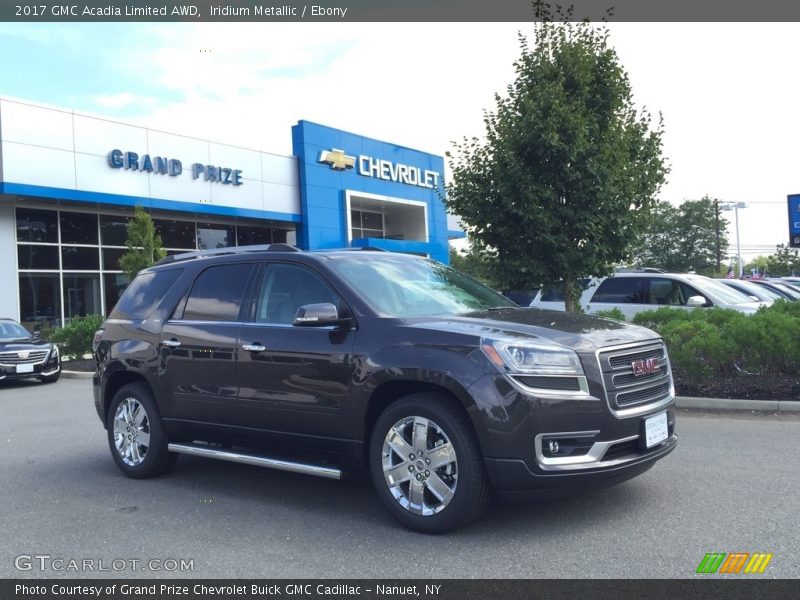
76,375
733,404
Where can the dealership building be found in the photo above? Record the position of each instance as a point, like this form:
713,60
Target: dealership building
69,183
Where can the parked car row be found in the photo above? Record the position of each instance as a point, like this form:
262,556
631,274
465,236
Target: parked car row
635,292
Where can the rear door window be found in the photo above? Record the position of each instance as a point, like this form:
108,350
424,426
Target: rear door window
622,290
217,293
144,293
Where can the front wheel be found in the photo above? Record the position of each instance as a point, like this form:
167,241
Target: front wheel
136,435
426,464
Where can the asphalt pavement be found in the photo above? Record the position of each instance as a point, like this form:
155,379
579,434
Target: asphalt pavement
731,486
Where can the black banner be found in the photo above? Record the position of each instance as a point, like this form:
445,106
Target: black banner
394,10
737,588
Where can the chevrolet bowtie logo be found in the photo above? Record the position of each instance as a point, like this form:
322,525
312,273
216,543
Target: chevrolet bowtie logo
337,159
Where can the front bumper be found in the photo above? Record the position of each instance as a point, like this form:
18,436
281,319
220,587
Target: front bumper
603,448
50,366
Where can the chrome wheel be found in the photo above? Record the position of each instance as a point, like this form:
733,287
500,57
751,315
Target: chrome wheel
419,466
131,431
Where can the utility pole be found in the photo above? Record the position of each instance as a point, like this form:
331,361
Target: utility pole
716,228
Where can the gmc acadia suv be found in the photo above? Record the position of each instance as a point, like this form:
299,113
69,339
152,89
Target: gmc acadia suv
335,362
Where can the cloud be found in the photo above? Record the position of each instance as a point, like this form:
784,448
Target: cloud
125,100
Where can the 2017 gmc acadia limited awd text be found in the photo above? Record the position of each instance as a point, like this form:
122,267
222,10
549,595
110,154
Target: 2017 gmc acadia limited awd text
335,362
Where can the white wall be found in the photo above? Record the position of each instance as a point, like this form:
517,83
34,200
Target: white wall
9,299
52,147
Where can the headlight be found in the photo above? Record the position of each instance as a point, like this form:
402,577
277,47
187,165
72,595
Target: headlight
535,358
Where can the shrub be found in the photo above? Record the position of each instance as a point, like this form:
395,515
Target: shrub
705,343
613,313
75,338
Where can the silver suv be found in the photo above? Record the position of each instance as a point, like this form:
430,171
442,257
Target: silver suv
633,293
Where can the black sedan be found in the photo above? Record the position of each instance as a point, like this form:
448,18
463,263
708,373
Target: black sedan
23,355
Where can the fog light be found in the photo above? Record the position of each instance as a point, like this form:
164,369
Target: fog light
553,446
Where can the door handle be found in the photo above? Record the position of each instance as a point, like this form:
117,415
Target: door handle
253,347
173,343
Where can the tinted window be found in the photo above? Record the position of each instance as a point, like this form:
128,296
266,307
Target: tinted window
285,288
217,293
78,228
79,258
111,258
37,225
557,294
39,299
622,290
38,257
251,236
211,236
670,292
144,294
113,230
115,284
176,234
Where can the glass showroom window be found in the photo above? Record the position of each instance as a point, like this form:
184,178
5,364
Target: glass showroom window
68,260
366,224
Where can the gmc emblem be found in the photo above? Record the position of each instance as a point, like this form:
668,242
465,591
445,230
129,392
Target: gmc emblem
645,367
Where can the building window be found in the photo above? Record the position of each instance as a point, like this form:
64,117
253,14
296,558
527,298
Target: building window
366,224
210,236
78,228
37,225
176,234
35,257
113,230
80,258
81,295
40,300
68,261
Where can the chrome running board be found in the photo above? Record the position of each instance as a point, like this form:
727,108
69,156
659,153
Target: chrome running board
258,461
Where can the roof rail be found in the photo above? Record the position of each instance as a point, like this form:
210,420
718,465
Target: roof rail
223,251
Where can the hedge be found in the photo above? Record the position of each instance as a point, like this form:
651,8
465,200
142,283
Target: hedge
75,338
710,343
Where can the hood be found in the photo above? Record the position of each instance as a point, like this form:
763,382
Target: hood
30,344
582,333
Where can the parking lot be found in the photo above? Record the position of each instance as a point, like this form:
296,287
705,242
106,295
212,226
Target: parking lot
732,486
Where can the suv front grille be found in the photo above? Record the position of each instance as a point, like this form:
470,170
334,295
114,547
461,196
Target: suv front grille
624,387
13,358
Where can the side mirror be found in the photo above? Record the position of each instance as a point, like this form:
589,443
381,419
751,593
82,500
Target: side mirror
696,301
316,315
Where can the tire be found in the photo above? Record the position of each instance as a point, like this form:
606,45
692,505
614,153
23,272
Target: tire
51,378
136,434
445,486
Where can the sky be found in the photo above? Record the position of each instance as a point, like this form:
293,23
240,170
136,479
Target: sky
728,93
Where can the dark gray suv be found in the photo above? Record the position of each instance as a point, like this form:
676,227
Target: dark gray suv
336,363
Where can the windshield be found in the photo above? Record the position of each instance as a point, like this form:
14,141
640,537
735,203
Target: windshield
10,331
401,286
720,292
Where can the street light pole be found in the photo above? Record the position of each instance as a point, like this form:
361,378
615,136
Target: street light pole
735,206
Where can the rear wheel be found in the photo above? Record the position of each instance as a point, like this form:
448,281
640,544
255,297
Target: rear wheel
426,464
136,435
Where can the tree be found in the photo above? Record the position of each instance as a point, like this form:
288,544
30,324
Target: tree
689,237
473,264
144,244
785,261
568,171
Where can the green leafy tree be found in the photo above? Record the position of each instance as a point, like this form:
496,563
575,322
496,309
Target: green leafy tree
785,261
144,244
568,170
473,264
690,237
